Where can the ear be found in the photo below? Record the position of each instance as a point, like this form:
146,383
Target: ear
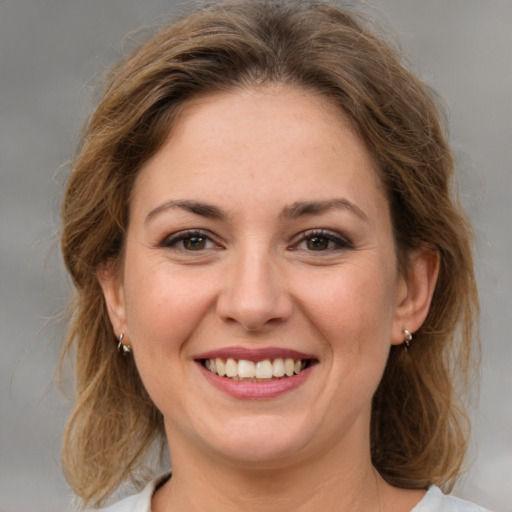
414,293
113,292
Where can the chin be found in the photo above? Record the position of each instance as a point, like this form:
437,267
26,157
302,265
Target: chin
261,442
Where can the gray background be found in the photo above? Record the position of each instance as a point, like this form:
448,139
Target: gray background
50,50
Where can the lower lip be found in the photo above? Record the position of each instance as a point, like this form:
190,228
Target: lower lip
256,390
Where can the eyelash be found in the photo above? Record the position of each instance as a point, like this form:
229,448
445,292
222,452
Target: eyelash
325,236
188,235
340,243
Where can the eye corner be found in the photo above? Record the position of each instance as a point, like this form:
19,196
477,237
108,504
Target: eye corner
321,240
190,241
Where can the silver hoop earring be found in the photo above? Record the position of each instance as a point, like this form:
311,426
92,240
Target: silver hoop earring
123,349
408,338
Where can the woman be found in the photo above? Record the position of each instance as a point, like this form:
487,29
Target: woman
271,273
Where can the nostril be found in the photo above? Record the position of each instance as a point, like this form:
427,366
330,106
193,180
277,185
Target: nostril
254,294
255,310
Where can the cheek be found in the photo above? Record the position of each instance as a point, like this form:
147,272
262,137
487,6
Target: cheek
353,308
164,309
164,306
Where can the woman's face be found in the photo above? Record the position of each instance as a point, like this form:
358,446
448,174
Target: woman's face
260,244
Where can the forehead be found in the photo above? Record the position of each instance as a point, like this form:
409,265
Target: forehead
279,112
288,143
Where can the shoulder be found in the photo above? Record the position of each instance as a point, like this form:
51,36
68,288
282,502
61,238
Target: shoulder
140,502
134,503
436,501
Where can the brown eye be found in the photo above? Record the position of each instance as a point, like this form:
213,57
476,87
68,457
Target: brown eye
321,240
190,241
317,243
194,243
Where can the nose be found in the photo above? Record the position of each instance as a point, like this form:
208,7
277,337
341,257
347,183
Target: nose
254,294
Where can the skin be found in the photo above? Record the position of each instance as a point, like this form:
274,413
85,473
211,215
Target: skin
254,275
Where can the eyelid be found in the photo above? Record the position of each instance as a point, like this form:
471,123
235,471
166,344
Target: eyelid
172,240
342,241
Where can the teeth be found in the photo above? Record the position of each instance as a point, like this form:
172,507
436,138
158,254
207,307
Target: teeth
288,367
231,368
264,369
278,368
221,367
246,369
250,370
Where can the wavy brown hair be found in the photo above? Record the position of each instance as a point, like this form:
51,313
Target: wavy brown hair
419,430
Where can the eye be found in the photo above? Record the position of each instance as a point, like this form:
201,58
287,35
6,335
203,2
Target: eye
318,243
321,240
190,241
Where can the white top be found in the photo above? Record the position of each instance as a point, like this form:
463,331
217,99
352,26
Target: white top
433,501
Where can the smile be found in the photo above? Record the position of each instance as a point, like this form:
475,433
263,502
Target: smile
256,373
245,370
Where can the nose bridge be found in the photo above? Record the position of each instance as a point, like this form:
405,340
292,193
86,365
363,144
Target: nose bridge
255,292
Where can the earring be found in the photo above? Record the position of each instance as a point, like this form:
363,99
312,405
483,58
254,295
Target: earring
408,338
124,349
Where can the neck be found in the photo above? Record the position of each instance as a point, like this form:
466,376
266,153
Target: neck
342,479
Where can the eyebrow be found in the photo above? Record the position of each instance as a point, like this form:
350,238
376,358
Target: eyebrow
305,208
199,208
294,211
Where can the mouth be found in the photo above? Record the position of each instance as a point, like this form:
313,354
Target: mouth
256,373
266,370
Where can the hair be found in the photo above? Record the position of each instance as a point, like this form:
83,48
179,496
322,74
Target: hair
419,427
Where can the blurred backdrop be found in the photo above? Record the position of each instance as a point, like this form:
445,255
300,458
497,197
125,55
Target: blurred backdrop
50,53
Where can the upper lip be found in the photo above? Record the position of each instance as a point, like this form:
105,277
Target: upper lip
254,354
